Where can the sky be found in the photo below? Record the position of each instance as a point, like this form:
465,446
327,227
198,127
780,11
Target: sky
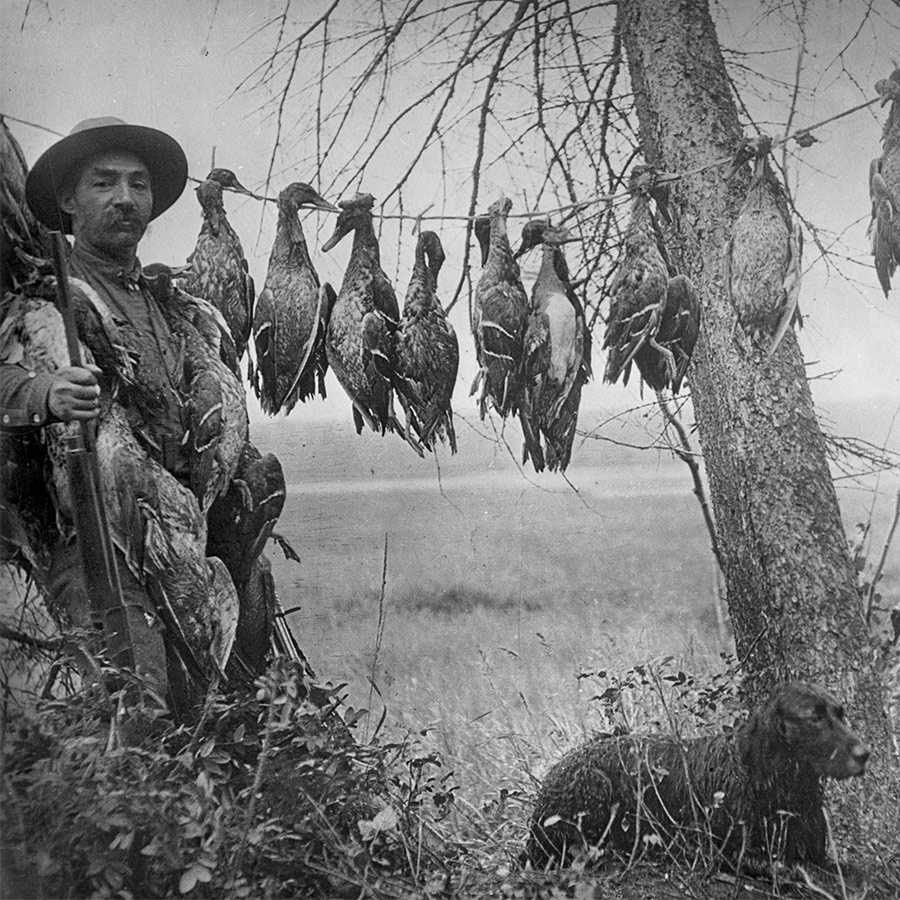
174,64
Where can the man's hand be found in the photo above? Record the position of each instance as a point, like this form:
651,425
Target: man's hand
75,394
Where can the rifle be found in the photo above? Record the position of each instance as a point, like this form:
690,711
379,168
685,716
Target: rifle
98,561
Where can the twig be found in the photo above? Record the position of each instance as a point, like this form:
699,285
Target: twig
685,453
870,594
273,688
208,703
801,53
12,634
379,630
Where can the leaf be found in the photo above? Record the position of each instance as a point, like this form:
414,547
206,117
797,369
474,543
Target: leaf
153,848
188,879
122,841
386,820
205,785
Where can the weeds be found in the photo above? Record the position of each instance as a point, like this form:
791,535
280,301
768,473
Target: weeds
273,794
270,795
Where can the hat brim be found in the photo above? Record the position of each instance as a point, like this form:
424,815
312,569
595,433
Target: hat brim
160,153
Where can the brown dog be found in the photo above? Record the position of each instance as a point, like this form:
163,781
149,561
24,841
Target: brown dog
752,795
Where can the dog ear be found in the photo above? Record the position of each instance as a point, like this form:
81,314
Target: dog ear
782,722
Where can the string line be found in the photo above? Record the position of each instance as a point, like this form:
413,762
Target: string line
600,198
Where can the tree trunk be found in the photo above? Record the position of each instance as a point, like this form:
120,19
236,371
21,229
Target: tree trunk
791,585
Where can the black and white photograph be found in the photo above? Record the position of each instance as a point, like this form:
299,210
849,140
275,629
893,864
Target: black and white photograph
450,449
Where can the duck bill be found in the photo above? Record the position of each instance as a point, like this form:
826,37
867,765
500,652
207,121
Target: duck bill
240,189
318,202
335,239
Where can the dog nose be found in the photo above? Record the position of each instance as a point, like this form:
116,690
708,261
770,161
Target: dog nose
861,754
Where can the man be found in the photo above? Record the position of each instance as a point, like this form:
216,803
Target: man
104,183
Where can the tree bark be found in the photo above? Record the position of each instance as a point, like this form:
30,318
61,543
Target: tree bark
791,585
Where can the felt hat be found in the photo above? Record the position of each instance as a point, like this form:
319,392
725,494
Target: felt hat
161,154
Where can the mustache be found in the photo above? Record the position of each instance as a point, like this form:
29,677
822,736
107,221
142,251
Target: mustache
125,218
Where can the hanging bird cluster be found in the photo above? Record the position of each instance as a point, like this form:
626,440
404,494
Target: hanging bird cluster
654,315
157,523
533,354
762,260
884,187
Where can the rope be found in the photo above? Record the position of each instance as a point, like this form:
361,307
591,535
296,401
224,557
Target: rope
668,176
582,204
30,124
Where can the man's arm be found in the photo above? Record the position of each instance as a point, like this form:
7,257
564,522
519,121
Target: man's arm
31,399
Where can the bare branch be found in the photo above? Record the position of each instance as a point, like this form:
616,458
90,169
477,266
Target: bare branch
685,453
879,567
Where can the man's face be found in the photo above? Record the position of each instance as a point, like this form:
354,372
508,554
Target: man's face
111,203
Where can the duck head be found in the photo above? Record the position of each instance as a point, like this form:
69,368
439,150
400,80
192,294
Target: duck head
354,212
430,246
228,181
532,236
540,231
299,196
749,149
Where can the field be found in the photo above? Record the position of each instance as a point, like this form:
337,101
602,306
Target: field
500,587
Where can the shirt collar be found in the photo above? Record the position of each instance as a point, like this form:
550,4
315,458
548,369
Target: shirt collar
109,269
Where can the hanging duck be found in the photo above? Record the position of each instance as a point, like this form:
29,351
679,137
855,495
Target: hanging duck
556,361
645,296
884,187
359,339
209,387
499,317
291,312
215,401
20,231
217,269
762,258
158,525
427,351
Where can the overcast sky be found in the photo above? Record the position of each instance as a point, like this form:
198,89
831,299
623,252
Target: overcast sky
172,65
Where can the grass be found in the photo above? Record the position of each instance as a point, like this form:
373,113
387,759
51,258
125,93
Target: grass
273,795
511,623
